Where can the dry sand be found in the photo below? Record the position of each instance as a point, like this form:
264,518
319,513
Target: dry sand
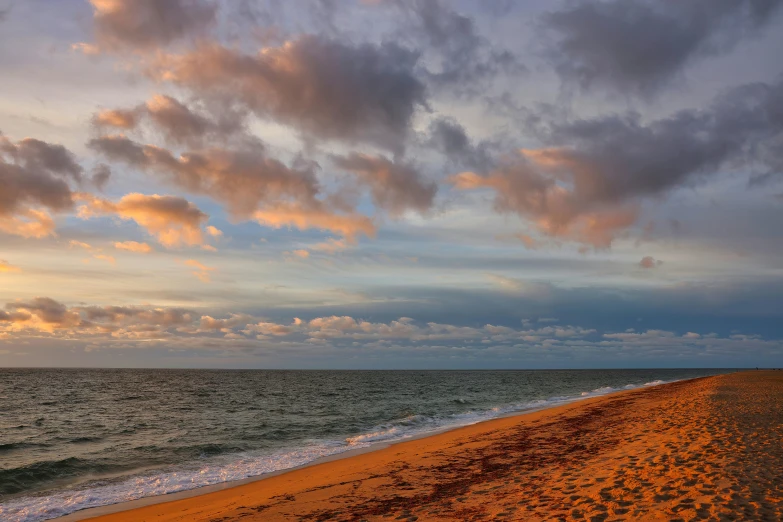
706,449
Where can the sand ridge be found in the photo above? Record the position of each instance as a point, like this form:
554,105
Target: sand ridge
705,449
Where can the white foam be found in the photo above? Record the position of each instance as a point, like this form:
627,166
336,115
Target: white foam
35,509
240,466
374,436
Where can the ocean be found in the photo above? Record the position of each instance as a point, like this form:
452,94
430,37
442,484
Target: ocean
72,439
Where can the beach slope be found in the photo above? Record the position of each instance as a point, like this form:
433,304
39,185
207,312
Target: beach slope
709,448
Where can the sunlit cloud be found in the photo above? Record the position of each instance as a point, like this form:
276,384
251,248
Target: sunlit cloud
214,231
133,246
121,119
143,25
6,267
96,253
172,220
202,272
331,245
517,286
300,253
46,317
79,244
650,262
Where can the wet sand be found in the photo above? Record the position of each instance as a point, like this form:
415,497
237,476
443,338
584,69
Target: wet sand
705,449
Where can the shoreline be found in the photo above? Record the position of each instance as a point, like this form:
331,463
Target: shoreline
706,448
155,500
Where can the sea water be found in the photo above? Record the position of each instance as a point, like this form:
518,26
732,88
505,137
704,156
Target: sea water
72,439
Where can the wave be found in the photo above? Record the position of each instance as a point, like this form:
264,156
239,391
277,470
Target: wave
16,480
35,509
394,430
225,464
416,425
8,446
129,398
85,440
208,450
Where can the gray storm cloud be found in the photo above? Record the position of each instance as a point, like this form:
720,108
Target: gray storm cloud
325,89
449,137
36,179
121,25
637,47
466,61
178,123
587,181
395,186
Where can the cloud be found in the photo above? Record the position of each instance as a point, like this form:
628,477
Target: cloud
301,253
323,88
128,25
104,257
176,122
46,315
100,176
6,267
587,183
36,179
79,244
173,221
242,178
133,246
117,118
450,138
263,329
529,242
395,187
552,208
208,323
41,156
86,49
198,332
43,313
251,184
119,147
214,231
202,272
315,216
96,252
182,125
462,59
519,287
162,317
650,262
637,47
331,246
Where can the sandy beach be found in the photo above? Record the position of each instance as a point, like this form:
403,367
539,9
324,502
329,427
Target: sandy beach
704,449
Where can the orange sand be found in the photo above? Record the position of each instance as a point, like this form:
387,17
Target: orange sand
706,449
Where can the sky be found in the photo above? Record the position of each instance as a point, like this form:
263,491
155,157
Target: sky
405,184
